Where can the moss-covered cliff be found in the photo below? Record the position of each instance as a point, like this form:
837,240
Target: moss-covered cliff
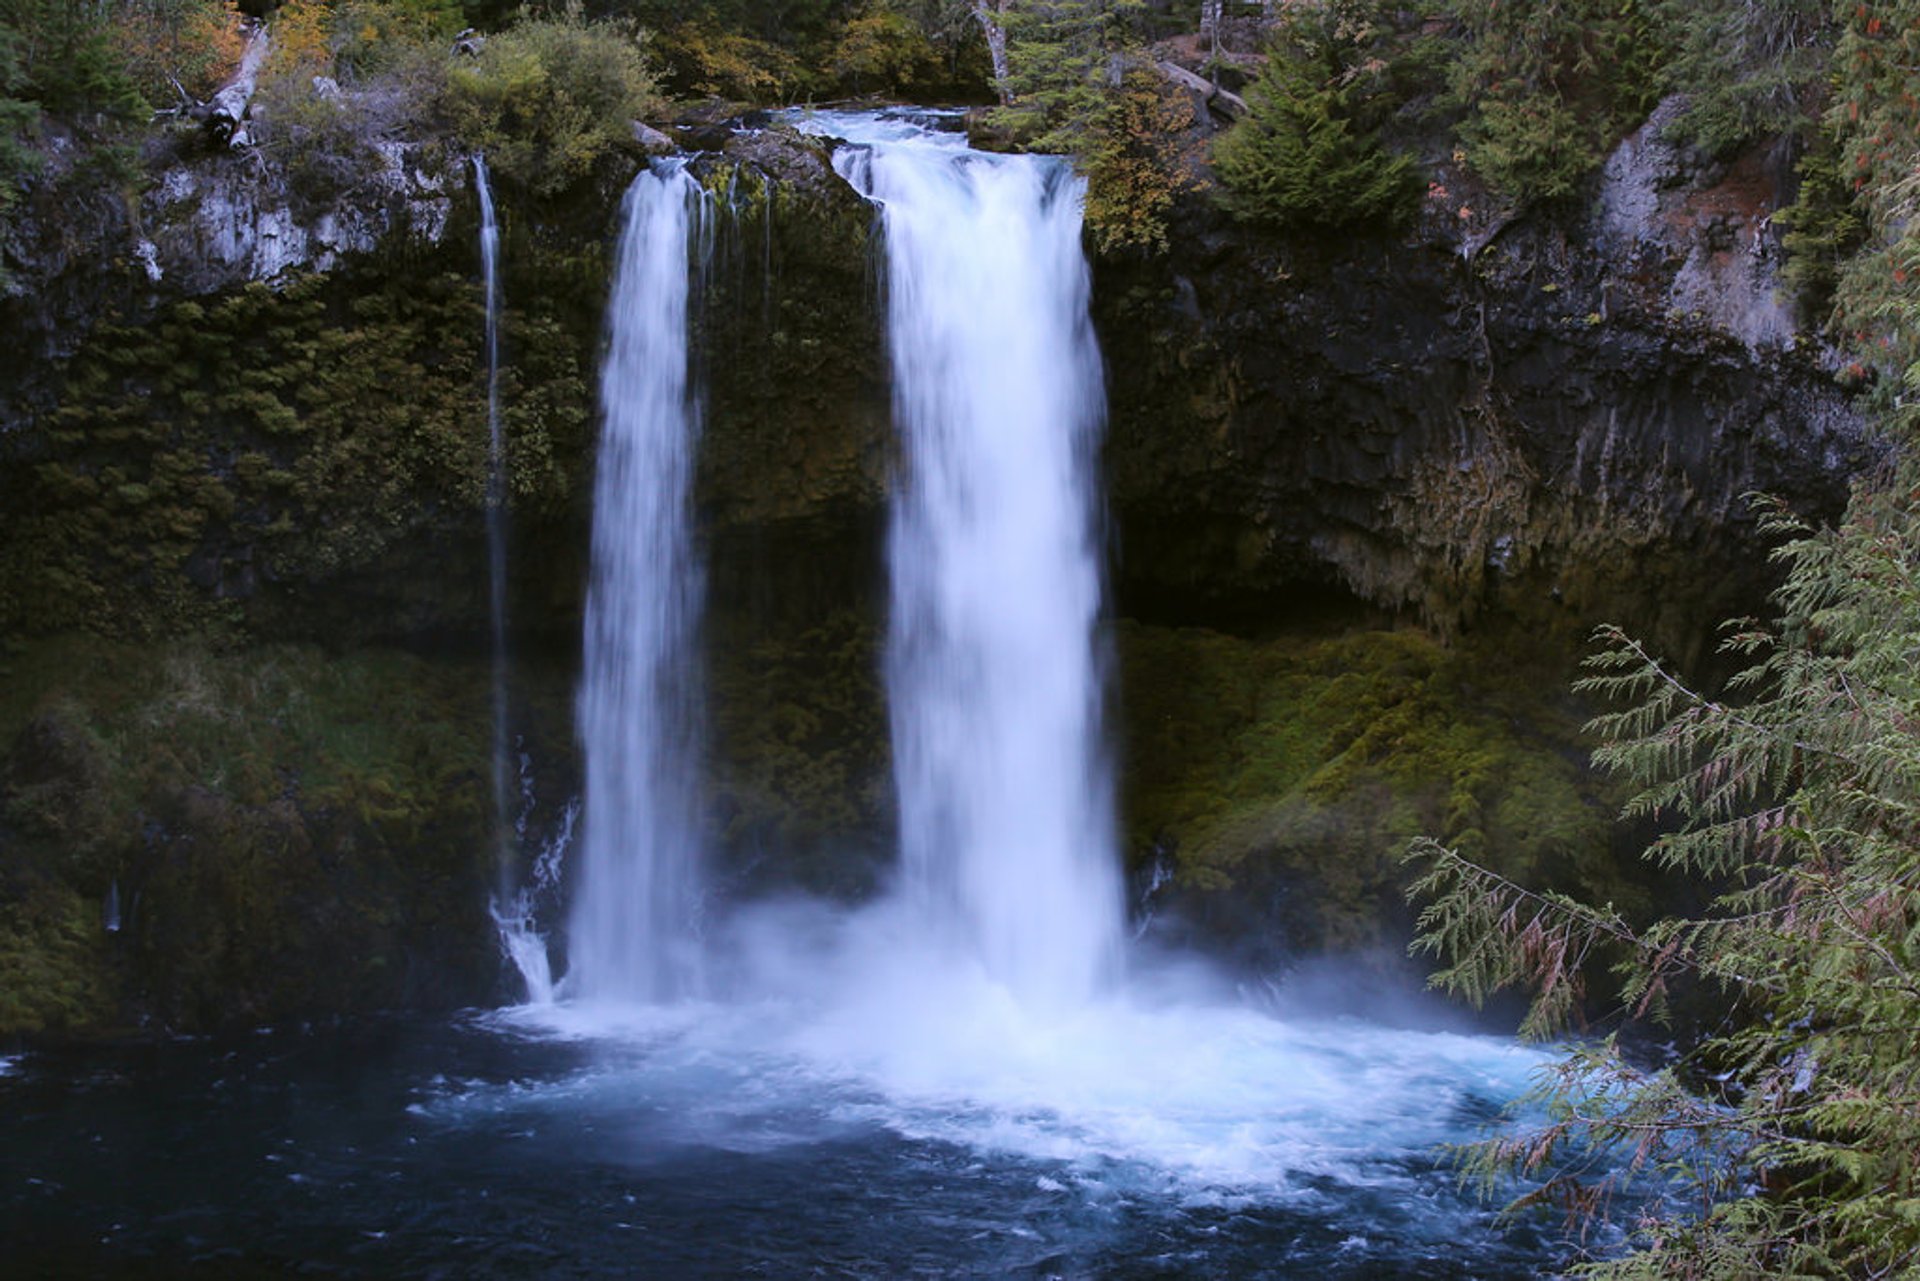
243,590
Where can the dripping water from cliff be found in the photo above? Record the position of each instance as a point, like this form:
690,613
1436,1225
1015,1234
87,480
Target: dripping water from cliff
634,930
495,499
521,943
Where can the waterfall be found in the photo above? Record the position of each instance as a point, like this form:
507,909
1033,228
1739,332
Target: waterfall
634,924
496,493
994,684
521,942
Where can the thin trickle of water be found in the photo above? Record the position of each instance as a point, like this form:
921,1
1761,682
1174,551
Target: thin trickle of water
496,525
634,926
524,944
1004,785
520,940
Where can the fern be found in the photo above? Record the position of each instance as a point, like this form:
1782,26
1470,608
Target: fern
1794,797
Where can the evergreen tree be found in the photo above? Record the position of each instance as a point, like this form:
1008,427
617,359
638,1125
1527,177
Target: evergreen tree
1794,800
1749,68
1305,157
1798,797
1549,87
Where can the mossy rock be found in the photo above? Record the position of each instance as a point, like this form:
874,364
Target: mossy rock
801,789
1296,767
289,831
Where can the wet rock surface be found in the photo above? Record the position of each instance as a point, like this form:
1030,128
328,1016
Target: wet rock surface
252,421
1561,421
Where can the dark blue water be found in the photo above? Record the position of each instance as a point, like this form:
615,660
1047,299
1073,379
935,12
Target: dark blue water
466,1150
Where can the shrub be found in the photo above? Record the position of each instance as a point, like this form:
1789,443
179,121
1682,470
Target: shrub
1548,88
1135,162
18,122
548,99
389,58
1791,801
701,60
1305,157
1749,68
883,52
194,43
372,36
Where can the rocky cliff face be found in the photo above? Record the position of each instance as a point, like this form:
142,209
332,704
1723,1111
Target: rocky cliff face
1555,420
249,421
1550,418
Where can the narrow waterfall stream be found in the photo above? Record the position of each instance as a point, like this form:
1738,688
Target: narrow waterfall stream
520,938
633,935
496,503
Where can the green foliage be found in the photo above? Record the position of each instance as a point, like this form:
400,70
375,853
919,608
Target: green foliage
371,36
1874,117
699,60
548,99
787,51
1822,228
1749,68
1791,799
1316,756
884,52
800,748
1135,162
1307,156
389,61
1079,83
1549,87
271,436
19,121
68,59
1065,58
52,970
88,64
291,830
175,45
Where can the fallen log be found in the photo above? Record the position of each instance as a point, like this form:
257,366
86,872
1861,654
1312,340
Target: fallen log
1221,102
227,109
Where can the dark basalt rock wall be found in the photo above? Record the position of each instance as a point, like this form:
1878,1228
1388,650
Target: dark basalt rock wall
1562,424
1557,419
246,436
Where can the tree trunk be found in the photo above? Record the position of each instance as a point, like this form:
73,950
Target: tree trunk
1219,102
227,109
1212,12
988,12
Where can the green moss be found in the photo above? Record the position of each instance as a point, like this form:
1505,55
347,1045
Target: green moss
800,751
53,971
335,427
290,830
1312,760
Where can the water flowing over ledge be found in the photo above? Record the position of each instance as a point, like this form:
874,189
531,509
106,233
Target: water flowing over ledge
1004,785
982,1004
635,914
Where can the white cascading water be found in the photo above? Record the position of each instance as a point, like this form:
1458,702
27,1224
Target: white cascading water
994,685
976,1007
633,935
